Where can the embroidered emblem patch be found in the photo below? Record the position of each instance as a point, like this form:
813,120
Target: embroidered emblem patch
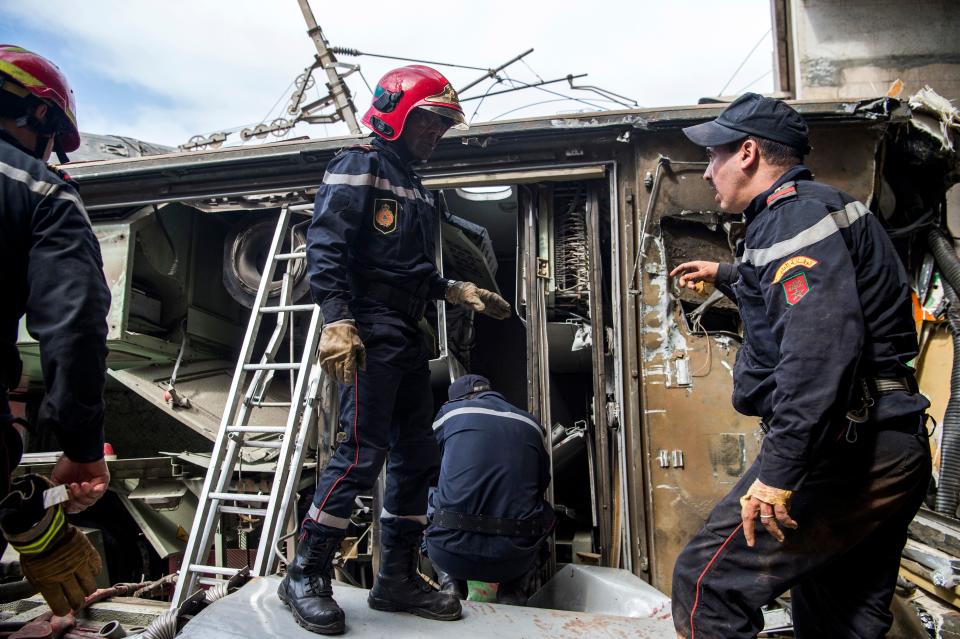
793,262
795,288
385,215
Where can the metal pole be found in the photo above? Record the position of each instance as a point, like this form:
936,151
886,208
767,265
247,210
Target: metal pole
338,89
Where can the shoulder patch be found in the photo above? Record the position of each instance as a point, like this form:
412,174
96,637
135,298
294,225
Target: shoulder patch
785,191
385,214
792,263
795,288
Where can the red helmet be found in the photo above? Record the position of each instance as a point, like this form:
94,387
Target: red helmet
402,90
41,78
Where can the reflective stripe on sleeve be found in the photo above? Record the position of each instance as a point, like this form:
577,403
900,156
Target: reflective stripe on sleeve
823,229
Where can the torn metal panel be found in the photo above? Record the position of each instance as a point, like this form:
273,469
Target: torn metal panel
205,384
937,117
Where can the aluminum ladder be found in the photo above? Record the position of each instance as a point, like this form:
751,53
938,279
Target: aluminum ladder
217,497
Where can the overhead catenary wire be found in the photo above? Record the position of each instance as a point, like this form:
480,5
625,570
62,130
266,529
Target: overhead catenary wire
357,53
742,63
754,81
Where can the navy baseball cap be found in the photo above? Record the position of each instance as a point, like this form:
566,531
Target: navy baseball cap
753,114
467,384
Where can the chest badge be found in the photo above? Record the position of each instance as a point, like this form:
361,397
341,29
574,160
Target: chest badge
795,288
385,214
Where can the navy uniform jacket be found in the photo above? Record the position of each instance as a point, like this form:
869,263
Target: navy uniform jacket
493,463
824,300
373,221
51,270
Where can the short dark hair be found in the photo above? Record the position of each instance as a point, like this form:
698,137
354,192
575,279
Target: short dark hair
775,153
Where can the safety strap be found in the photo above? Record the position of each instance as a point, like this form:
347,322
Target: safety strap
485,525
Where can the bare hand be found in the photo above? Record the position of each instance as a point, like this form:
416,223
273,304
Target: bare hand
87,482
770,515
693,272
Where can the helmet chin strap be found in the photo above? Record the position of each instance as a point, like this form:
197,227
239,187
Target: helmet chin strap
43,139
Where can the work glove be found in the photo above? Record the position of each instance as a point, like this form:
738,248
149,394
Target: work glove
341,352
471,296
771,505
54,556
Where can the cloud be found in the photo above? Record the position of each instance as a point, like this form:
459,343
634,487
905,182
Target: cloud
178,68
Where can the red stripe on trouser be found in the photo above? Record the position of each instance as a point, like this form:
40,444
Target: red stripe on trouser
696,599
356,439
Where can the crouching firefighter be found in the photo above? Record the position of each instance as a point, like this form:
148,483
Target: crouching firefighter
825,305
489,520
51,272
371,260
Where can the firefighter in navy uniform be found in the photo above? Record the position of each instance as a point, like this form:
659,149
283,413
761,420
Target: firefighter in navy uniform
489,518
51,271
828,332
371,260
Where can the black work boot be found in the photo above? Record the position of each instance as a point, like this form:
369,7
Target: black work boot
448,584
306,588
399,586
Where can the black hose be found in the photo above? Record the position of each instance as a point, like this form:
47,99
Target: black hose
946,257
948,491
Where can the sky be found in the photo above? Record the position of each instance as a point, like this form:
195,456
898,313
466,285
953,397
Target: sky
166,71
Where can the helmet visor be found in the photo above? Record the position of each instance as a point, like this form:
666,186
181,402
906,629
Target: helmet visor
459,122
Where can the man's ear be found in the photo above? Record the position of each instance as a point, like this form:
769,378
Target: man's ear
749,154
40,111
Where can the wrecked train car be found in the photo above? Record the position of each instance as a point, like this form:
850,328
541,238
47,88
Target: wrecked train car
575,219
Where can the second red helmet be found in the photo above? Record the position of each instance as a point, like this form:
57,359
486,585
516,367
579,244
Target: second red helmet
39,77
402,90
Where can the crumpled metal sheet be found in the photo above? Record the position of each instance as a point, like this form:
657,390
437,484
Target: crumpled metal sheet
936,116
256,611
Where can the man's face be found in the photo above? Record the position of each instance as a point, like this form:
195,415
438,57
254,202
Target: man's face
422,132
726,177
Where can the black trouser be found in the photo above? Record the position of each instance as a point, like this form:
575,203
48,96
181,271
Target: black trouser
840,565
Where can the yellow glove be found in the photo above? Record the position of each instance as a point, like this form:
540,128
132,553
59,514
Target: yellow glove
341,351
478,299
54,556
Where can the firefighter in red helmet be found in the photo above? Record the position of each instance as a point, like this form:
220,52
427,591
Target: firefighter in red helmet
371,261
51,272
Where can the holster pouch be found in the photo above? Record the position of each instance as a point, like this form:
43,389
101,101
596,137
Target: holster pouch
54,556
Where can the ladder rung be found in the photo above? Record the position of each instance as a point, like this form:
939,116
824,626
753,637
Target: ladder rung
257,429
240,497
269,404
211,570
299,255
240,510
282,366
207,581
258,443
291,308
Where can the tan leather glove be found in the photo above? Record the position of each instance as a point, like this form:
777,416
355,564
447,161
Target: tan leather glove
768,494
478,299
341,351
54,556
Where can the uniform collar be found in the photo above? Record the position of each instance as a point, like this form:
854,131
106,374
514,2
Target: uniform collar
759,203
396,149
